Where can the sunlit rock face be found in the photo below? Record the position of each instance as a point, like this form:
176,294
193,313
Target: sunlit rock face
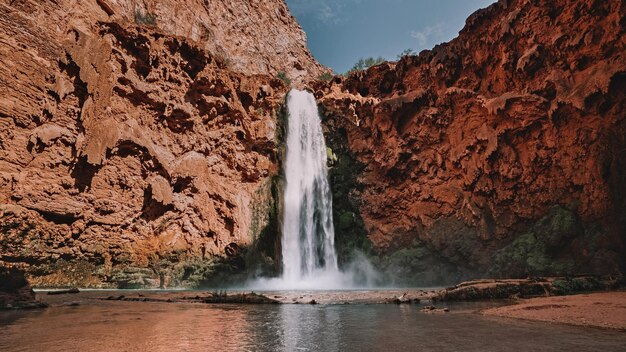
252,36
139,142
138,139
499,153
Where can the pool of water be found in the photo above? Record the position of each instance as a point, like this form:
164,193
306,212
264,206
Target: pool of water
141,326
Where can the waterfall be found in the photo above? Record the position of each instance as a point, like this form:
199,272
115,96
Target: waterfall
308,241
309,257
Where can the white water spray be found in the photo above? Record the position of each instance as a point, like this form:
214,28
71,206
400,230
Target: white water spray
309,257
308,242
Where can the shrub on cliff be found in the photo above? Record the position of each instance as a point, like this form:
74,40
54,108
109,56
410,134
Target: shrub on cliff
146,19
364,64
326,76
283,77
406,52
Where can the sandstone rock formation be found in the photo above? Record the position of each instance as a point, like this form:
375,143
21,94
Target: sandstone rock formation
500,153
255,37
138,139
140,142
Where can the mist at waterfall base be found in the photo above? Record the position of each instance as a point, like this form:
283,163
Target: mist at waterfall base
309,257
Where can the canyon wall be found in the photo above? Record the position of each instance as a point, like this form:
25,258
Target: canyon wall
140,143
500,153
139,139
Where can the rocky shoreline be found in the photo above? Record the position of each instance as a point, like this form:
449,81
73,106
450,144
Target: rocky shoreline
477,290
585,301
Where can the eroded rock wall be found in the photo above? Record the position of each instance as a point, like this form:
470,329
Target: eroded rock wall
134,150
250,36
500,153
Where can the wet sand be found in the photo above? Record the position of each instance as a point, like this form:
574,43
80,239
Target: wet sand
604,310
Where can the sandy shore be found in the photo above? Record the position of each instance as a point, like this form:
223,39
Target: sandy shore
604,310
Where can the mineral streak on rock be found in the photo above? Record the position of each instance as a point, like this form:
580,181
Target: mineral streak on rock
502,151
138,139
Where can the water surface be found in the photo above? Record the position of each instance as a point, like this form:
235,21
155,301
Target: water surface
141,326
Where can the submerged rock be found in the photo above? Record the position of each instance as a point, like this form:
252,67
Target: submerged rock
404,298
242,298
64,292
433,309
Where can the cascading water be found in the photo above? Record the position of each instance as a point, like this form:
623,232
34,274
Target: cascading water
308,242
308,236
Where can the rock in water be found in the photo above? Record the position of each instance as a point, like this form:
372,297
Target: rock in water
64,292
433,309
15,292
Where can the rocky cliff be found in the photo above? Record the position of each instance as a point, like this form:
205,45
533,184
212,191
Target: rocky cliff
138,139
500,153
140,143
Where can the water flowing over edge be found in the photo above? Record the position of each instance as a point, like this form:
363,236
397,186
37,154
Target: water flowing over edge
309,258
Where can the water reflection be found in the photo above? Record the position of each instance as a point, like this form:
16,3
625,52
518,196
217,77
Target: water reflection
129,326
302,327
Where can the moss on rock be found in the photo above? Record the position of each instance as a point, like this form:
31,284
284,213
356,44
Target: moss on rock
351,237
538,251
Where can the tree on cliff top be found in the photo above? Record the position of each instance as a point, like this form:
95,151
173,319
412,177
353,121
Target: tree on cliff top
364,64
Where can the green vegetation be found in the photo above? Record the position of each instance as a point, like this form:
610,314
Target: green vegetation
534,252
326,76
406,52
364,64
351,236
283,77
577,284
146,19
261,255
216,272
410,259
331,157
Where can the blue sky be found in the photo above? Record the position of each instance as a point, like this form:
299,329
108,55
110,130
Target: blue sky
339,32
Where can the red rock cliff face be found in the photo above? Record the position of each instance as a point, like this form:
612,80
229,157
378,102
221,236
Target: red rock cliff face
502,152
138,139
